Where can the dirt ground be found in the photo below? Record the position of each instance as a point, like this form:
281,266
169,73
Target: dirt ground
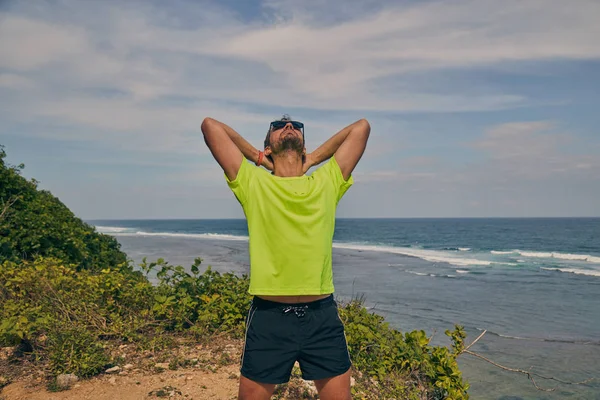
185,384
200,371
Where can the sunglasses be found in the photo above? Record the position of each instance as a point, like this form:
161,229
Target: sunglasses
277,125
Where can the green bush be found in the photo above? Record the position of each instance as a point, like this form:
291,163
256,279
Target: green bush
65,290
39,298
35,223
403,365
51,306
206,302
72,349
40,294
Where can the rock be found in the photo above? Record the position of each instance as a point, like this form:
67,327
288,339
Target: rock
161,365
352,381
123,373
113,370
127,366
112,381
234,375
311,388
65,381
4,381
166,391
122,346
300,389
5,353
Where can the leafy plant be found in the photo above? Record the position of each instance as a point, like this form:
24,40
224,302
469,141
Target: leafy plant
414,366
35,223
75,350
65,290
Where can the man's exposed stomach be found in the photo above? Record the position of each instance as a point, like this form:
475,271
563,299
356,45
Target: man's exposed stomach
294,299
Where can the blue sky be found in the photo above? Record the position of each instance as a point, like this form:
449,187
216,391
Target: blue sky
477,108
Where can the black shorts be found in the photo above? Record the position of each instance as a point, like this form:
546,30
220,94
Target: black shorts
278,335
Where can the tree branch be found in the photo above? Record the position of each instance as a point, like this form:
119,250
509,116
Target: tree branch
474,341
529,374
6,206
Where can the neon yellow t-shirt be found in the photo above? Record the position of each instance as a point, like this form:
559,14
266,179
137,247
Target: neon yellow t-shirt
290,223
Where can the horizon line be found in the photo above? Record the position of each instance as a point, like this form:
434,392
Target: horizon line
338,218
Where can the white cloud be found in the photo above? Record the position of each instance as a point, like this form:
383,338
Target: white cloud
13,81
26,43
355,64
532,151
141,78
515,153
521,140
421,37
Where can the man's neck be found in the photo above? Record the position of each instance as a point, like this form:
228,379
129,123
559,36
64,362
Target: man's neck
287,164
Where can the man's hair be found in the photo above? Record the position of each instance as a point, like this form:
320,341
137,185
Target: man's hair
285,117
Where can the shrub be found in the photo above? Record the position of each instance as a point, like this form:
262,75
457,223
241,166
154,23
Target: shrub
46,304
75,350
403,365
64,289
204,302
35,223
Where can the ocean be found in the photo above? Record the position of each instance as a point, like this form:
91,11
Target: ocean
533,284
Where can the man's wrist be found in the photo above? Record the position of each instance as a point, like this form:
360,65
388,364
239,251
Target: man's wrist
260,159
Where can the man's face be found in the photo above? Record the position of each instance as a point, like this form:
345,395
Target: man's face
286,138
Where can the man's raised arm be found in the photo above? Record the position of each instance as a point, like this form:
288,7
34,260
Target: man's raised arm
227,147
348,146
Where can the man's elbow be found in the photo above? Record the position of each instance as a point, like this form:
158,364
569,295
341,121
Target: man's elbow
206,125
365,128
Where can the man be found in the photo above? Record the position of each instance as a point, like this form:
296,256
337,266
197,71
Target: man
291,220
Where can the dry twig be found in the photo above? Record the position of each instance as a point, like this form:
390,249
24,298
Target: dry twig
6,206
530,375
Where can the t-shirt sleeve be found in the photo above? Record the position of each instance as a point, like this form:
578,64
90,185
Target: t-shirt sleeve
331,171
240,186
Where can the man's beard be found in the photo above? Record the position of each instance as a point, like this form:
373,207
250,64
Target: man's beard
289,143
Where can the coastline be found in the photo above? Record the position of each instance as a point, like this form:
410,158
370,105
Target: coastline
410,300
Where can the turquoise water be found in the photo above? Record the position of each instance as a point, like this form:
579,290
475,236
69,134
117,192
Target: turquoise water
533,284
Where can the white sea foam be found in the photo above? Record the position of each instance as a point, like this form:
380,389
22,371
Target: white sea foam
428,255
218,236
418,273
576,271
430,274
194,235
462,271
111,229
560,256
550,254
435,256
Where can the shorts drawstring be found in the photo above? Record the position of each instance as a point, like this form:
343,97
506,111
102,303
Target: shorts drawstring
298,310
